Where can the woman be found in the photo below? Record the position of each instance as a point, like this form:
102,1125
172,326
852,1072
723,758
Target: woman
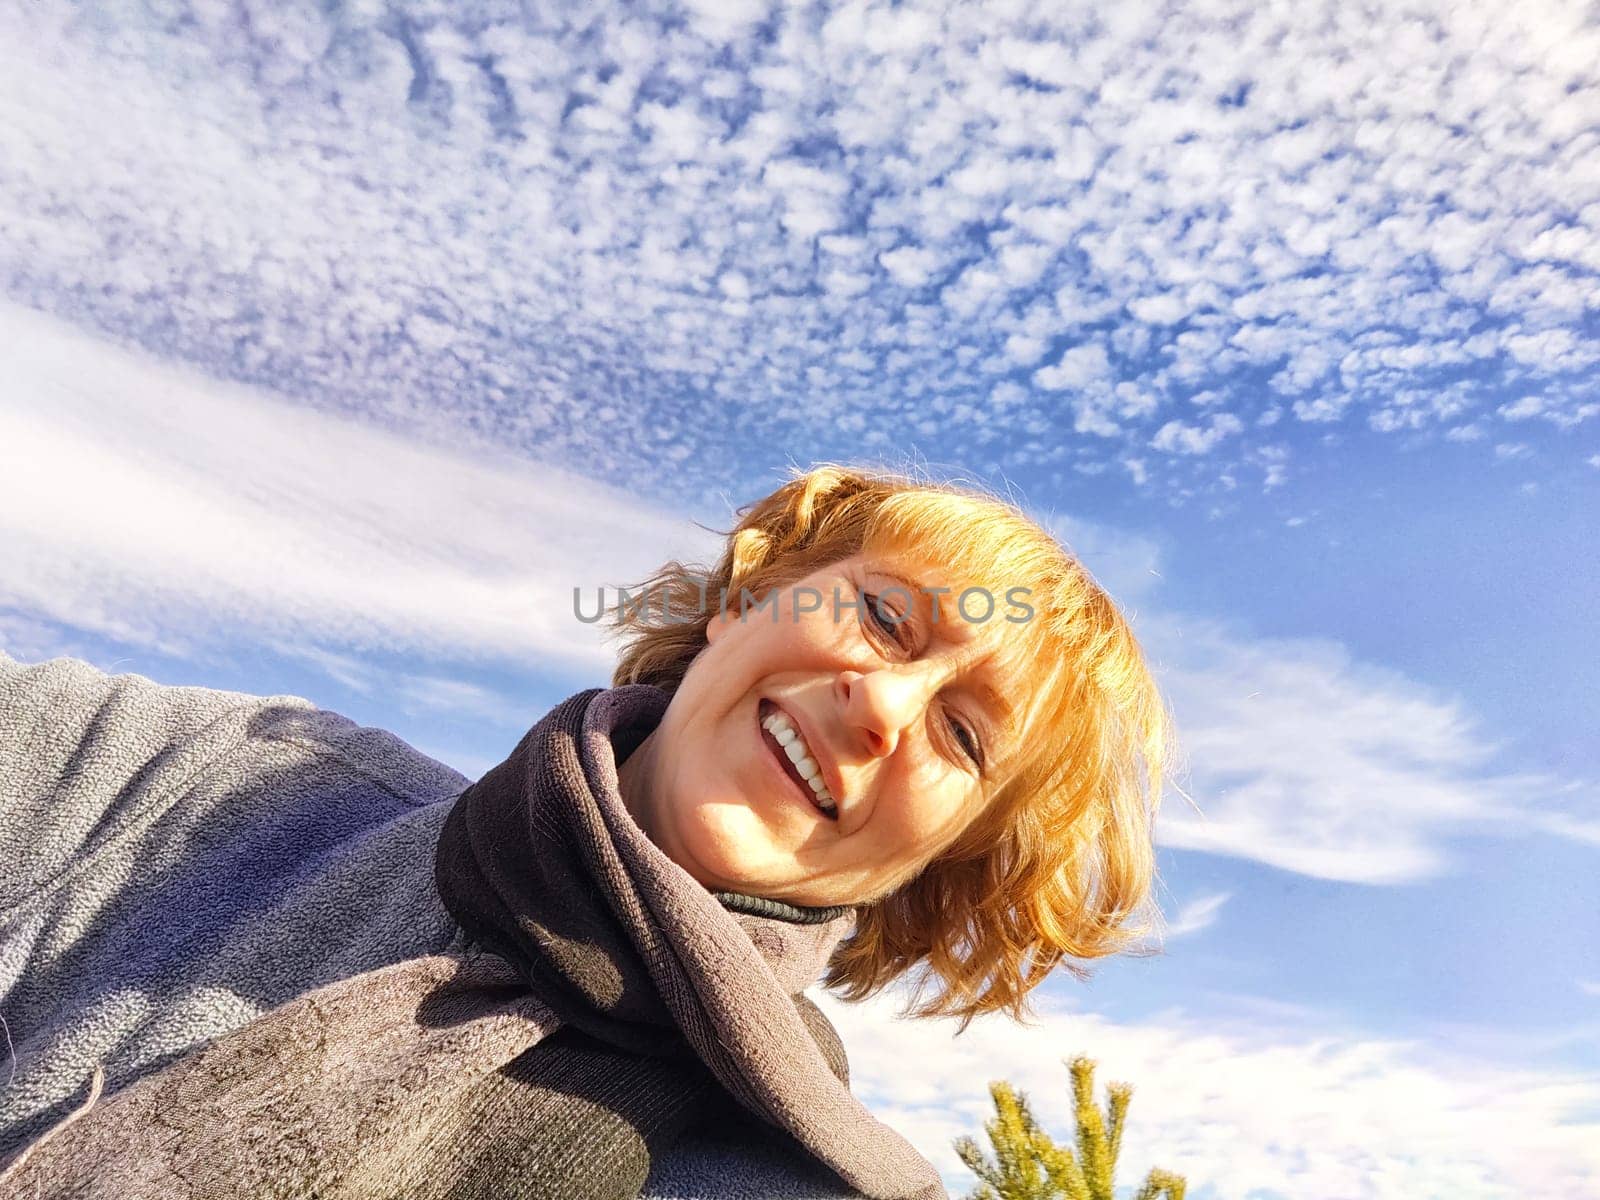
896,728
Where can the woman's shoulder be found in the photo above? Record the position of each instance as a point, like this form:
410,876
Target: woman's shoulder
97,754
175,861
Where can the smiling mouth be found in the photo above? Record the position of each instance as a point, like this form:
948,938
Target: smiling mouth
763,710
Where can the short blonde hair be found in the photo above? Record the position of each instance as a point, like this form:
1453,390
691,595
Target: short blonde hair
1058,866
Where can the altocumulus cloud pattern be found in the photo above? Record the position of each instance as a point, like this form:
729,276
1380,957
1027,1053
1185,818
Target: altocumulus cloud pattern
1177,242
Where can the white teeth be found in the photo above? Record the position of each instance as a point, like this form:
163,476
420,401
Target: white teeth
799,754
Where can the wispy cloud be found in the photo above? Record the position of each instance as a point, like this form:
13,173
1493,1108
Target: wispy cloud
834,228
409,691
1305,758
1199,913
147,504
1261,1109
1312,761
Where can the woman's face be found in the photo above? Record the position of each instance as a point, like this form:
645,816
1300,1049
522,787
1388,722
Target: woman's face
905,721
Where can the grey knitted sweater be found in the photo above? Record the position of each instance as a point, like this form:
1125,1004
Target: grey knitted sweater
177,861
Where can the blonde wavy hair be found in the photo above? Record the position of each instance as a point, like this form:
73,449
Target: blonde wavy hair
1057,868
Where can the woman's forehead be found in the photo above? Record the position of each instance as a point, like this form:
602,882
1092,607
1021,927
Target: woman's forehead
970,590
920,568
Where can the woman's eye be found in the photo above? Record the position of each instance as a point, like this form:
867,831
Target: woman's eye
968,740
886,622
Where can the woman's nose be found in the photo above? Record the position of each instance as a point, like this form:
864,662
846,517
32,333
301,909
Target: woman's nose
879,706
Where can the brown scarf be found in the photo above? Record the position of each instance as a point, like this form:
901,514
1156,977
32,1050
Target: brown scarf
620,1001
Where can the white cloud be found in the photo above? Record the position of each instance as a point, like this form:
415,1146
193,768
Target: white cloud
1555,350
1322,408
910,266
1312,762
725,20
1300,757
1080,367
1178,437
1561,413
1198,914
1166,309
409,692
1249,1109
734,284
974,289
1024,350
1022,263
146,503
1521,410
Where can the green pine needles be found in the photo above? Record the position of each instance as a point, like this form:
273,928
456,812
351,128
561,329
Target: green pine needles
1027,1163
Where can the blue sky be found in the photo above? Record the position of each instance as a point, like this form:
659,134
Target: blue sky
341,341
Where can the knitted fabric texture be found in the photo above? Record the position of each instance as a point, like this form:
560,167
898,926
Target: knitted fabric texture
619,1001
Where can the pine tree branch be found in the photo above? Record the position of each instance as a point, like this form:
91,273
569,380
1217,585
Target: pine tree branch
1093,1153
1027,1164
1121,1096
1160,1184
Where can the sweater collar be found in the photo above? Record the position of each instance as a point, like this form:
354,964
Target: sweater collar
780,910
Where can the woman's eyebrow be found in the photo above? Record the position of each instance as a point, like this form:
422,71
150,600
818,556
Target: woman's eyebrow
913,591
